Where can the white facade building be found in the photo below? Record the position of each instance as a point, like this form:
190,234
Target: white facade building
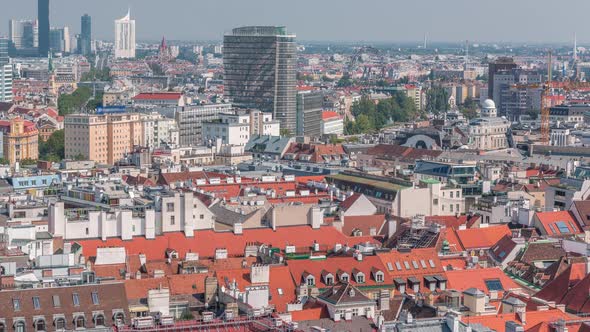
236,128
488,132
157,129
125,37
6,83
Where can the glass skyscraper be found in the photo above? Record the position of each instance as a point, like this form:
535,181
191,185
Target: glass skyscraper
5,72
43,18
86,35
260,71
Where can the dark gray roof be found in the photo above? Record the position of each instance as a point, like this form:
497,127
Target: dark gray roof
345,294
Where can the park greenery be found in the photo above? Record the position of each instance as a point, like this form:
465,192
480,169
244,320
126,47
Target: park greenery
74,102
370,116
437,100
53,149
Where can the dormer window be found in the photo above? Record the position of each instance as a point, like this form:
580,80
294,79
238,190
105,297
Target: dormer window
360,277
379,276
344,277
310,280
329,281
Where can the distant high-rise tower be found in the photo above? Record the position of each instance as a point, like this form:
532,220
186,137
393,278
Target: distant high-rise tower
125,37
24,34
575,48
502,63
86,35
5,72
260,71
43,17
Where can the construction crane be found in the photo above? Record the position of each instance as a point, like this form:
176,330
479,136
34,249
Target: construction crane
545,104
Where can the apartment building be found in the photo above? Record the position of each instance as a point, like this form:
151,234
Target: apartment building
20,140
237,128
190,120
104,138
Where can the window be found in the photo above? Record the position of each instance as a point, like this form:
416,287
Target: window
56,302
36,303
40,325
202,216
2,327
451,194
329,281
379,277
344,277
99,320
119,317
19,326
172,220
16,304
80,322
170,207
360,278
76,299
310,280
87,231
95,298
494,285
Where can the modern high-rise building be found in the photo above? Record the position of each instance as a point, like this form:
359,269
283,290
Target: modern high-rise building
310,105
260,71
5,72
23,34
85,45
501,64
125,37
4,59
43,17
59,40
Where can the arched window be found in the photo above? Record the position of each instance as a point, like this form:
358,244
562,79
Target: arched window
99,320
80,322
19,326
40,324
119,318
2,327
60,323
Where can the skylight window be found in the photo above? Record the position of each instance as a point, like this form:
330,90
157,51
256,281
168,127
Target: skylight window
494,285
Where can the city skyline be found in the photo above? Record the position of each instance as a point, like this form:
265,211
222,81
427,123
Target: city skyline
382,21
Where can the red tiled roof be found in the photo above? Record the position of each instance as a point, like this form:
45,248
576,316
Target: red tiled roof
329,115
349,201
399,269
549,221
158,96
482,238
475,278
363,224
280,278
452,221
533,318
205,242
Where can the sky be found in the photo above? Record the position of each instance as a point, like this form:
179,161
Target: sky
532,21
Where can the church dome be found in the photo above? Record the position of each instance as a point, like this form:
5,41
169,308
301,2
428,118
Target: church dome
488,103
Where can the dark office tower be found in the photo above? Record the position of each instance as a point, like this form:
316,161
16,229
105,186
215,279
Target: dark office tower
501,64
86,35
259,63
4,51
43,17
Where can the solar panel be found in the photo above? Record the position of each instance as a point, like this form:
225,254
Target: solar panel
494,285
398,266
423,263
431,262
415,264
389,266
406,265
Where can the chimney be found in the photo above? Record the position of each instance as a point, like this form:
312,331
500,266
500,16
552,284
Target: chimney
512,326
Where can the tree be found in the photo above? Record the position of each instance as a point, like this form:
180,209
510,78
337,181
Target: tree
53,149
437,100
28,162
4,161
345,81
371,117
72,103
285,132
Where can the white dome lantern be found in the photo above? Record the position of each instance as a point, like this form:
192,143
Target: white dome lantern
488,109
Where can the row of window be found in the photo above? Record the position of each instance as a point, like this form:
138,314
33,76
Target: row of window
60,323
16,302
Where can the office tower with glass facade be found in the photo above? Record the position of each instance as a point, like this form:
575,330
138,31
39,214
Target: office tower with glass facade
260,71
85,45
5,72
125,37
23,34
43,17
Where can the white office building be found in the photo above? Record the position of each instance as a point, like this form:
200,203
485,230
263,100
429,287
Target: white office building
6,83
125,37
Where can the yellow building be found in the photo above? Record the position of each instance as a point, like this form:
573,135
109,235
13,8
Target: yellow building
20,140
104,138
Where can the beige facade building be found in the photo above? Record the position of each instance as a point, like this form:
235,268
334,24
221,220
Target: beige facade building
104,138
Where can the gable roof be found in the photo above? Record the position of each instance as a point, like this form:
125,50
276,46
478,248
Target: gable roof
346,293
482,238
364,224
558,223
476,278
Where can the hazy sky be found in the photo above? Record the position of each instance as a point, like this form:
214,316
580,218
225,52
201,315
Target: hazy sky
344,20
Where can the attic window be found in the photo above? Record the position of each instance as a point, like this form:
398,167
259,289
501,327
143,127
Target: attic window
406,265
280,291
398,266
423,263
415,264
431,262
389,266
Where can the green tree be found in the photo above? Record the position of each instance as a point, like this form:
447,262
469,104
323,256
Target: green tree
285,132
4,161
28,162
72,103
345,81
53,149
437,100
